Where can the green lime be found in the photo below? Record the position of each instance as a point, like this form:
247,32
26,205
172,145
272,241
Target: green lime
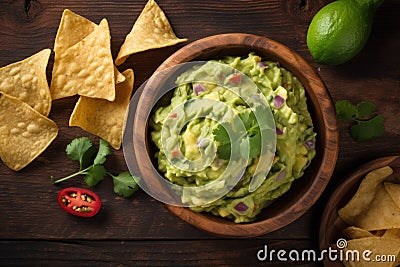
340,30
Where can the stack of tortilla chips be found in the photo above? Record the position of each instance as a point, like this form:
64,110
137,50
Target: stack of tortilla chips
83,65
374,216
25,102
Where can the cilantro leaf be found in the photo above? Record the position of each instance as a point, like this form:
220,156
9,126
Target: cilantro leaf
365,110
104,151
77,149
365,130
95,174
124,184
252,131
224,151
221,135
87,159
255,144
345,110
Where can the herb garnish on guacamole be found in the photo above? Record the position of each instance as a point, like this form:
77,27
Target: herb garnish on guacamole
295,137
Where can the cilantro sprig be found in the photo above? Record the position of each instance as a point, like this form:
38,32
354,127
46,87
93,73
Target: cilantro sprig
91,165
252,131
365,126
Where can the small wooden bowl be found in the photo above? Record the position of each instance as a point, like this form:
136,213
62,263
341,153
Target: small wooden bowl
306,190
331,226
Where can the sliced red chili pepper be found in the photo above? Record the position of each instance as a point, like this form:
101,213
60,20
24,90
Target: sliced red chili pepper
79,201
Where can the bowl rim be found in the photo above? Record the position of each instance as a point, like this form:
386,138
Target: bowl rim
330,150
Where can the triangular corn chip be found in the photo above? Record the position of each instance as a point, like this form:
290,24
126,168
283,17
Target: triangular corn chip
394,192
362,199
378,246
26,80
382,213
104,118
24,132
353,232
86,68
73,28
151,30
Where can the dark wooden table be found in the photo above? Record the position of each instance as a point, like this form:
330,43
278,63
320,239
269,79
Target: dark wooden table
34,230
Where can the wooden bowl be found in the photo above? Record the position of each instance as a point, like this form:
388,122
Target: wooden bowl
331,226
306,190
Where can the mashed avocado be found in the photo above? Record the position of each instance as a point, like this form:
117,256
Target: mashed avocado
295,138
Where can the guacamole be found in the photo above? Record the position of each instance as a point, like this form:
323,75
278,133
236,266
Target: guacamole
295,137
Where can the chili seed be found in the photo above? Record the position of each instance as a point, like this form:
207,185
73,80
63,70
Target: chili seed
73,195
88,199
83,197
74,207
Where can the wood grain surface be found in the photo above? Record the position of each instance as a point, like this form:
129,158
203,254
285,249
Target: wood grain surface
139,231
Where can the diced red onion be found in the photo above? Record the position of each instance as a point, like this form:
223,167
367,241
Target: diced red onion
202,142
198,88
262,65
309,144
278,131
278,101
281,175
173,115
241,207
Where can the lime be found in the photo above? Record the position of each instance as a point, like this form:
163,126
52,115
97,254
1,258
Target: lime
340,30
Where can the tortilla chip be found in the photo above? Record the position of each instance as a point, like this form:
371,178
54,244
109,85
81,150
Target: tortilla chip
379,232
365,194
151,30
119,77
353,232
24,132
392,233
26,80
73,28
379,246
394,192
86,68
382,213
104,118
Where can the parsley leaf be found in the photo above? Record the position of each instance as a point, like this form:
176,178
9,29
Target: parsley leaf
365,130
77,149
124,184
95,174
345,110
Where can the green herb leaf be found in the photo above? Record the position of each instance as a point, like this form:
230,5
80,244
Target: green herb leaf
345,110
124,184
95,174
87,159
365,110
104,151
252,131
255,144
77,149
365,130
224,151
221,135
